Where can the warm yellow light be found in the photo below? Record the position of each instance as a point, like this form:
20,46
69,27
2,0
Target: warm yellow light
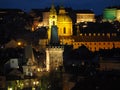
19,43
34,82
38,69
37,82
10,89
33,88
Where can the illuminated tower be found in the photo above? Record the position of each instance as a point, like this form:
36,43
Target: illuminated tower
52,19
54,51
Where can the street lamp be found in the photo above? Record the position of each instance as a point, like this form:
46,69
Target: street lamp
10,88
19,43
35,84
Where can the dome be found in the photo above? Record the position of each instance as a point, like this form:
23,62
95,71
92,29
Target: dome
64,18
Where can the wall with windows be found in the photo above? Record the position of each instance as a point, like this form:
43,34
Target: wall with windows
85,17
96,46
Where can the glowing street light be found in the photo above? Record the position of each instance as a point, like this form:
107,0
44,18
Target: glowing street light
19,43
35,83
9,88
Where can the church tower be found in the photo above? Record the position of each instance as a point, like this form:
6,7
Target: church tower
54,51
52,19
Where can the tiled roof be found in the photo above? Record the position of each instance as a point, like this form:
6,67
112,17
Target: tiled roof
92,38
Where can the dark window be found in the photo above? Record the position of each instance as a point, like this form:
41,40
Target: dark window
12,61
53,22
64,30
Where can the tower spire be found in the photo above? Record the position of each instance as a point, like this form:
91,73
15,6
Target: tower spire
52,2
61,3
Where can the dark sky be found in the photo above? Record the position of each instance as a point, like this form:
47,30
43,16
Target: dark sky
96,5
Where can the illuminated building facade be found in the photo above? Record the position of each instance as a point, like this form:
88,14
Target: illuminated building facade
111,14
54,51
64,23
118,15
54,57
52,20
85,16
93,41
40,18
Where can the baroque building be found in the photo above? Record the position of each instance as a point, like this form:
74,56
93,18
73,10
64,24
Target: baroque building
54,51
93,41
85,16
64,23
52,20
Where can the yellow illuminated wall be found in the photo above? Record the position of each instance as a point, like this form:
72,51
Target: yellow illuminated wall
52,20
64,23
65,32
92,45
52,16
96,46
118,15
86,17
54,57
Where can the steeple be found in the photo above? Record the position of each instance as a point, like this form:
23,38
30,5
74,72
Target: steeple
62,10
52,16
52,9
61,3
52,19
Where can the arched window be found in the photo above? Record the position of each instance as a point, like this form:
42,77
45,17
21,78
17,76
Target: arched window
53,22
64,30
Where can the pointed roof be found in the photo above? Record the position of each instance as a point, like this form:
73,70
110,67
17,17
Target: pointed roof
29,54
15,72
52,9
62,10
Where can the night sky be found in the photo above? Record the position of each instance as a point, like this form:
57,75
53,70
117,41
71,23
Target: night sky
96,5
